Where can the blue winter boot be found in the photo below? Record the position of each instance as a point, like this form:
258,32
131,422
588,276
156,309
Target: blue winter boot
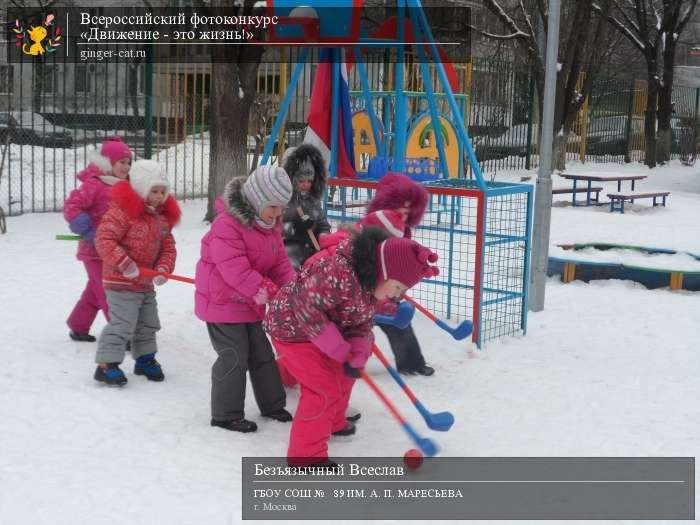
110,374
146,365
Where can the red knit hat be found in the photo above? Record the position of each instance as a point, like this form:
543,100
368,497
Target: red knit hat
390,221
405,261
115,150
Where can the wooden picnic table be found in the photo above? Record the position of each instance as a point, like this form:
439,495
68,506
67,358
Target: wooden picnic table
600,177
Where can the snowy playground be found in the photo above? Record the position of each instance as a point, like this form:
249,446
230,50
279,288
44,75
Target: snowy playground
608,369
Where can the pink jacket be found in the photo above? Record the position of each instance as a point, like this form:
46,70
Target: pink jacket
132,232
236,255
92,197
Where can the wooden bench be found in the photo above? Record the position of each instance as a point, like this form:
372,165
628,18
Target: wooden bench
617,200
595,189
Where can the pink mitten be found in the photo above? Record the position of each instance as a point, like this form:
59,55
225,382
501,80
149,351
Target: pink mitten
260,297
266,292
361,349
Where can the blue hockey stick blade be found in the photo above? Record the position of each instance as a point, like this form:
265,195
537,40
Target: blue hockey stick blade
427,447
442,421
461,331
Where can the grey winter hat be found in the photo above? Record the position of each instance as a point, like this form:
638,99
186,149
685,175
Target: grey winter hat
267,186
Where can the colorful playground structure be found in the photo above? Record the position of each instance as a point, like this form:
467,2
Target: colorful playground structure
480,228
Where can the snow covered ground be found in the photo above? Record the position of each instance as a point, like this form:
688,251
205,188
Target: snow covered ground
608,369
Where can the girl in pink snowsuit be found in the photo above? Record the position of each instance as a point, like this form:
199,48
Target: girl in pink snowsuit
321,325
83,210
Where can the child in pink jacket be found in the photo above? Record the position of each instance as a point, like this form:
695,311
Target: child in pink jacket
242,265
321,325
83,210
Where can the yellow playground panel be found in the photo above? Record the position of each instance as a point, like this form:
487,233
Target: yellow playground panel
421,143
365,147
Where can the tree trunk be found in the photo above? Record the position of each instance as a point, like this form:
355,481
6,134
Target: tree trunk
229,129
650,122
233,85
559,151
665,111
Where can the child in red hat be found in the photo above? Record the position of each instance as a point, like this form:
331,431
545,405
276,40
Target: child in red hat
399,195
321,325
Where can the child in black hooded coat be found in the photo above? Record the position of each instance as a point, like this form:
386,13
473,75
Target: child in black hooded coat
306,169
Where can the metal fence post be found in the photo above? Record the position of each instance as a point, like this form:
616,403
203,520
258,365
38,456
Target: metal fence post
530,111
695,120
148,105
630,116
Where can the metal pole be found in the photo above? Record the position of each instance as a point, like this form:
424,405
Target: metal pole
543,190
148,105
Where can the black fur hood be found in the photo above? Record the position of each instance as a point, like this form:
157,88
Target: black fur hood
236,204
294,160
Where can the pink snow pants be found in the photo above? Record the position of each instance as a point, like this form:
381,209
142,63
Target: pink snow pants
287,378
91,301
325,392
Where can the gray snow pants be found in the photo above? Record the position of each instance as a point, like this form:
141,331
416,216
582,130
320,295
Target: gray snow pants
133,317
243,347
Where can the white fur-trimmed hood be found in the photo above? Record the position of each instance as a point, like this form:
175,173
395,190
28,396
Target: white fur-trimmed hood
99,160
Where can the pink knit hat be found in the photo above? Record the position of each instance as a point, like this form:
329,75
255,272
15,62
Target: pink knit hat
394,191
115,150
405,261
390,221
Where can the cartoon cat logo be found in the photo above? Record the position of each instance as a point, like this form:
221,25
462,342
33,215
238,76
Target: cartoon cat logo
38,40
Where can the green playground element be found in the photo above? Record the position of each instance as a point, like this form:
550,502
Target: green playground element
66,237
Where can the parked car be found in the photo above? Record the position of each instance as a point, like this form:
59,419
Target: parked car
607,135
512,142
25,127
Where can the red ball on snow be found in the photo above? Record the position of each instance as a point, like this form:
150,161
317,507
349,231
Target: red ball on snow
413,458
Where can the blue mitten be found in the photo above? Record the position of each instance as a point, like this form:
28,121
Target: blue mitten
89,236
81,223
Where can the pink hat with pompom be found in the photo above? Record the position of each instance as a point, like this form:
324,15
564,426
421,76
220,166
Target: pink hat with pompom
115,150
405,261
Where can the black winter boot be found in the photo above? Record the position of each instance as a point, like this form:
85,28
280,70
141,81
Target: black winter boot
349,430
237,425
280,415
352,414
82,338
